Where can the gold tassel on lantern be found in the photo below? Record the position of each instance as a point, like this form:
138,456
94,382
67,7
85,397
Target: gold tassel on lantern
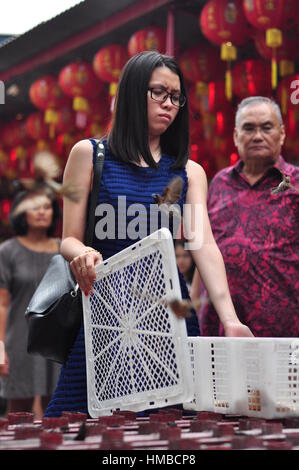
112,93
80,105
51,118
112,88
228,53
274,40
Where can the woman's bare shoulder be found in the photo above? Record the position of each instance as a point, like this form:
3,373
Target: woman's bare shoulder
82,147
195,171
80,157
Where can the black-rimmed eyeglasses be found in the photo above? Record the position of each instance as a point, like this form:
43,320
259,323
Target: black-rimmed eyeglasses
160,95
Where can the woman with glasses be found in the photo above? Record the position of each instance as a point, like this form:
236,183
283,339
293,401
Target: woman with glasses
147,147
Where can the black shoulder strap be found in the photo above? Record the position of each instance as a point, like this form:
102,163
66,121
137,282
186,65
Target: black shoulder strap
97,175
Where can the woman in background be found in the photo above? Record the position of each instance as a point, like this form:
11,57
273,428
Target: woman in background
23,262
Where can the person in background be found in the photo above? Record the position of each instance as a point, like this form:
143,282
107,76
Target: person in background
146,149
184,262
254,212
23,262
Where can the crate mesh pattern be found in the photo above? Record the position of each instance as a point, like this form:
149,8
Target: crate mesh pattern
134,354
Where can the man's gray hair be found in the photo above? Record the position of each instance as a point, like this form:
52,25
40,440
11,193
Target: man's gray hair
257,100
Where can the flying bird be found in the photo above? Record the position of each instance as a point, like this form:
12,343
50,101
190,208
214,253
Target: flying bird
182,307
46,170
170,196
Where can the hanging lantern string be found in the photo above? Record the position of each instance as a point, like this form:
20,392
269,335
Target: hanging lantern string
274,40
228,53
51,118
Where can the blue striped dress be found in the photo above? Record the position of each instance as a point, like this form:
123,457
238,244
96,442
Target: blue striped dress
135,185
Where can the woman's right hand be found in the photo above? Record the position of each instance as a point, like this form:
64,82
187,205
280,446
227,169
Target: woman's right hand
237,329
83,268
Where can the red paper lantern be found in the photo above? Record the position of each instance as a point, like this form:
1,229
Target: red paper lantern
287,51
36,127
201,63
45,93
79,81
251,78
224,21
151,38
109,62
66,120
265,14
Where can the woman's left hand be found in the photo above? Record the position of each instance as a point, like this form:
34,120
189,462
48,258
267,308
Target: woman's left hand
83,268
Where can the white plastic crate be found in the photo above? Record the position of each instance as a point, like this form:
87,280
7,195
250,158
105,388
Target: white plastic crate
137,354
252,377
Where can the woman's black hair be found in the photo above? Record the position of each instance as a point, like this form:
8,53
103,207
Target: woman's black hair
19,222
128,137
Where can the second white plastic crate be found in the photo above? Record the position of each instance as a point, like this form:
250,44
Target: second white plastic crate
253,377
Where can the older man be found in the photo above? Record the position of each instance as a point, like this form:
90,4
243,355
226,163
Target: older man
254,212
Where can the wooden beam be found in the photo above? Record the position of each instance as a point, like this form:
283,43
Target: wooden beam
137,10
